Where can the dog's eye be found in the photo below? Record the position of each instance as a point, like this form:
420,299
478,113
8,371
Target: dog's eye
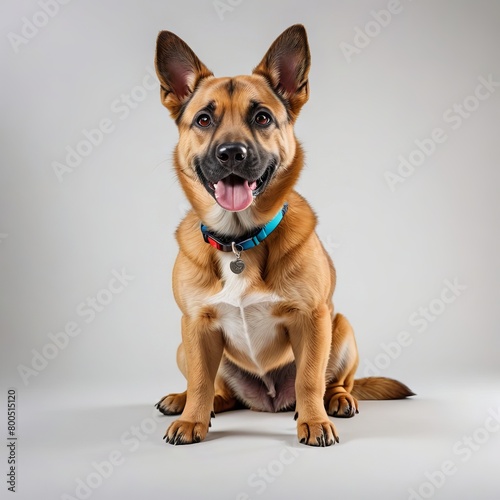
204,120
263,119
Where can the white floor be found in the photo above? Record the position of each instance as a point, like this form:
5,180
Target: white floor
442,444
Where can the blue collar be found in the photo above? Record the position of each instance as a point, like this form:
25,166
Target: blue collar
226,244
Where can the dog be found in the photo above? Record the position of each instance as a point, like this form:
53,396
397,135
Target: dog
252,279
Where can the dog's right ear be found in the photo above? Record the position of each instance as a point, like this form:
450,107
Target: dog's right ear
178,69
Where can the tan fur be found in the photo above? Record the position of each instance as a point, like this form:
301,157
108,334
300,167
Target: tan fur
289,277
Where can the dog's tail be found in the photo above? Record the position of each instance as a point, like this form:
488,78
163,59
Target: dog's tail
380,388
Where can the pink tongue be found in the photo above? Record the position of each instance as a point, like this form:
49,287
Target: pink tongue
234,193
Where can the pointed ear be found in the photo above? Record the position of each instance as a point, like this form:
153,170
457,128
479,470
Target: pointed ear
178,69
286,67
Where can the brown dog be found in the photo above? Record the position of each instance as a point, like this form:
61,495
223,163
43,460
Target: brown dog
258,329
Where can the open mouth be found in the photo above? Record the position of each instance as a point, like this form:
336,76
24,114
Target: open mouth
234,193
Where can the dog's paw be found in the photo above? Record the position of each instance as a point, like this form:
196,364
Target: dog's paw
224,403
342,405
173,404
185,432
317,433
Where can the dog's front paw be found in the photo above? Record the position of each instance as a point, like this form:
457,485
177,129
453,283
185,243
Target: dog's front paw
317,433
173,404
185,432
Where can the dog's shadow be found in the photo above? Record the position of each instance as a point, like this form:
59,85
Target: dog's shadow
105,426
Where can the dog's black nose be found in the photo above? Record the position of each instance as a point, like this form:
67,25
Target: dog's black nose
231,154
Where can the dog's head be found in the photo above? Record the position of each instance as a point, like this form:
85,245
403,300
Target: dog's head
237,154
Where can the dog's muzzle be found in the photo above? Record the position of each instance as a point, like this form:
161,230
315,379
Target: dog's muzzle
234,176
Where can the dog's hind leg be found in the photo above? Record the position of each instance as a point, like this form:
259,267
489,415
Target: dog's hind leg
224,399
173,404
342,365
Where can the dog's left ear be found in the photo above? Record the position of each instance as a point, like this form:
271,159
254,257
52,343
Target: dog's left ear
179,71
286,67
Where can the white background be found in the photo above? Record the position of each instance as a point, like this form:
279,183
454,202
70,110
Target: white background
62,237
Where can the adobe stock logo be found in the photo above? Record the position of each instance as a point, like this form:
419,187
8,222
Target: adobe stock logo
266,475
31,27
454,117
420,320
363,36
101,471
93,137
87,309
465,448
223,6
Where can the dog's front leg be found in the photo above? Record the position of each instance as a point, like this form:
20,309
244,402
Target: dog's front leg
203,346
310,336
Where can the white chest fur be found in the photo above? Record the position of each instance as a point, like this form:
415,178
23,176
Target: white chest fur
245,317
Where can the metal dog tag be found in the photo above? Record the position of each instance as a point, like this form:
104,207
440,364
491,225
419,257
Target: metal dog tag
237,266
